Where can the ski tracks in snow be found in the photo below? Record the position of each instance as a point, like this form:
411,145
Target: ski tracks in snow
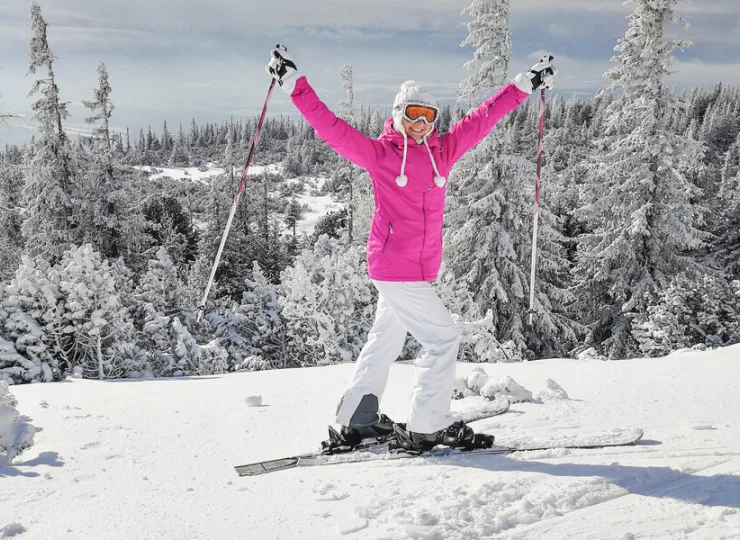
535,496
667,497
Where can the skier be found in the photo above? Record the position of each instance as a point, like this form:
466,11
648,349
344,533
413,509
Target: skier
408,166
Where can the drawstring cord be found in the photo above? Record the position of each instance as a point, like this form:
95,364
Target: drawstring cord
438,178
402,179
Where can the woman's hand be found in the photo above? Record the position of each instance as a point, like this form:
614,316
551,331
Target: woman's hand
282,68
542,74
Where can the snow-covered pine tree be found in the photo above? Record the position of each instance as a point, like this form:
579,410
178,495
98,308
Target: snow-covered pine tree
179,157
49,184
166,139
11,185
488,33
487,241
293,215
168,226
488,247
346,107
642,213
108,218
230,152
376,125
240,248
15,435
328,303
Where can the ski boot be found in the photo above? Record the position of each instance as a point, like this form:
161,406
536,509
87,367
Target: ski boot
458,435
350,438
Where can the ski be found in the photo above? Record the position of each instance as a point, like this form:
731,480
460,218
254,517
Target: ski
470,409
380,451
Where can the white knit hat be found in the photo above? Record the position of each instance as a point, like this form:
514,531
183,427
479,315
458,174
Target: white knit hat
411,92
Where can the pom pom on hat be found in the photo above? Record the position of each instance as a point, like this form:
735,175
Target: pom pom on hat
411,92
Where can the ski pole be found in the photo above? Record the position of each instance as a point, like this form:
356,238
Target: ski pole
536,204
239,190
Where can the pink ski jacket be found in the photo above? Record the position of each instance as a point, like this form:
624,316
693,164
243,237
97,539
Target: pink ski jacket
405,241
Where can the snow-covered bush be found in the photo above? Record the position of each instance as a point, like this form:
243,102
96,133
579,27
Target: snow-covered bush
30,315
255,328
98,332
689,313
176,353
66,315
478,341
161,287
328,303
15,435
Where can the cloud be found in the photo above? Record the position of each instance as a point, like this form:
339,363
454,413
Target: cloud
692,74
176,59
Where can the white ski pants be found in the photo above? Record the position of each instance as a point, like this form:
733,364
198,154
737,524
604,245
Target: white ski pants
412,307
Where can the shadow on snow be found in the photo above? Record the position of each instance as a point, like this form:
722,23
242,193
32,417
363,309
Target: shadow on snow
717,490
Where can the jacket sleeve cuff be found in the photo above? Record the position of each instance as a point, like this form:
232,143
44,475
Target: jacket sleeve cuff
523,83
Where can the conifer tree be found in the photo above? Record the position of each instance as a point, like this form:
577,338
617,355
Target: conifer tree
51,213
108,220
11,185
639,206
98,332
345,108
161,287
31,316
488,32
487,241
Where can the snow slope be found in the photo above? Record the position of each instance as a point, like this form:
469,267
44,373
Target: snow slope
152,459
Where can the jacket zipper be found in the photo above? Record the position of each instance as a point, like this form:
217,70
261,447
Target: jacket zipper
388,236
424,238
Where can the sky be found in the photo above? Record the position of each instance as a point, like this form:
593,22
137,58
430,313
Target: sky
176,60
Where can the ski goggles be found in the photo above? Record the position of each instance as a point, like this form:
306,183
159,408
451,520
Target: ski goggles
414,112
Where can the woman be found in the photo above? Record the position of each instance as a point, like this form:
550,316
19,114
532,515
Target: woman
408,165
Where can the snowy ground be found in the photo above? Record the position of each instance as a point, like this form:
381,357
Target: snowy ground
152,459
198,175
319,205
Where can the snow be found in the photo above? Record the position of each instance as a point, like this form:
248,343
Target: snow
154,458
253,401
199,174
319,205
